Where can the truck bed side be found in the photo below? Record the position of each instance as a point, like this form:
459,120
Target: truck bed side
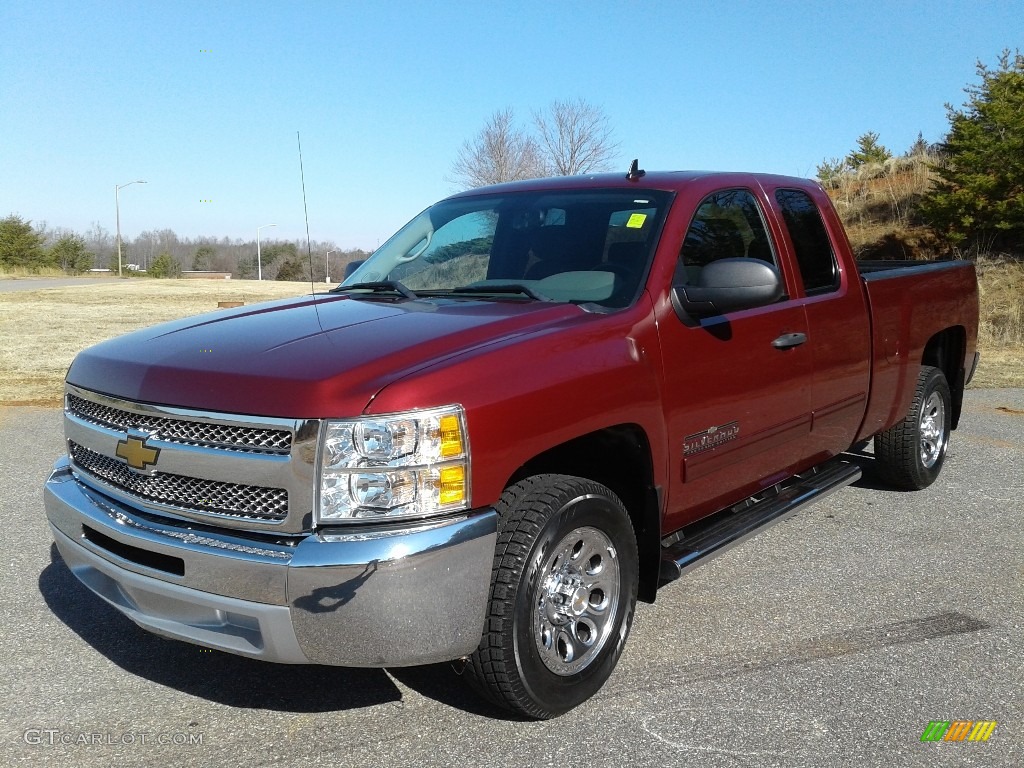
921,313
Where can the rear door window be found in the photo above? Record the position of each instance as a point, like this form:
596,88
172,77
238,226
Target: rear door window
811,243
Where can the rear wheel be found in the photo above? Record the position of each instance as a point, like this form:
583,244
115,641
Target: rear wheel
910,454
563,592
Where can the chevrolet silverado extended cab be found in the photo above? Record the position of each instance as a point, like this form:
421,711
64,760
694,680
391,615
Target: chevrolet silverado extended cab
531,407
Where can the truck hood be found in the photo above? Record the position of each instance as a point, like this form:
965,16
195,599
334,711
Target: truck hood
295,360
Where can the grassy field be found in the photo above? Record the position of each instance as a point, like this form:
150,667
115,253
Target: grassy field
44,329
1001,330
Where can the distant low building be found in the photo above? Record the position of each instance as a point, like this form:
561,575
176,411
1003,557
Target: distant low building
205,275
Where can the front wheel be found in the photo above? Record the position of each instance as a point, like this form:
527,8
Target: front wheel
563,592
910,454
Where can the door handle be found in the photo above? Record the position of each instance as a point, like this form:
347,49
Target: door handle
789,340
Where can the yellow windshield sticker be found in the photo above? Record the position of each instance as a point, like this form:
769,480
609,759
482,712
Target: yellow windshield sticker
636,220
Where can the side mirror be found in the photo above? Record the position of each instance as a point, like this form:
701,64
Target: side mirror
352,266
728,285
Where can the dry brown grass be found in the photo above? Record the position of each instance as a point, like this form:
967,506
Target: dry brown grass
878,206
43,330
999,367
1001,293
1001,330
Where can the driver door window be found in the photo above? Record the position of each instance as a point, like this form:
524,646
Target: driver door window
728,224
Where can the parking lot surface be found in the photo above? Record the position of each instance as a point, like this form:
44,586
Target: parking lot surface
833,639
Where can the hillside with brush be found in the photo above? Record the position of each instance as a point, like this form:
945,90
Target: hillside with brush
881,207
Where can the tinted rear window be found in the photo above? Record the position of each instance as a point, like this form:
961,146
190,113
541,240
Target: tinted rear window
810,241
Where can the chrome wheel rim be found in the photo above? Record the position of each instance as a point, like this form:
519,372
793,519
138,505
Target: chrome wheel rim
932,429
577,602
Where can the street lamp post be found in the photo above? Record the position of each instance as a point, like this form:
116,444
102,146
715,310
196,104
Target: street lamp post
117,211
327,266
259,260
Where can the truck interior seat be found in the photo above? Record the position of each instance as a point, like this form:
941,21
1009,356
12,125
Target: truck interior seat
554,249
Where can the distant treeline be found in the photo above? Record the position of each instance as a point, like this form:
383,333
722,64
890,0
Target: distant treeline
29,247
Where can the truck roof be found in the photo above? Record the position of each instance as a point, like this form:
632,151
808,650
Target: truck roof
665,180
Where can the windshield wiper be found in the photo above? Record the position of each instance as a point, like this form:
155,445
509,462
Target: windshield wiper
376,287
503,288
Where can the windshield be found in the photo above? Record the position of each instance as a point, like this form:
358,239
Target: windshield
576,245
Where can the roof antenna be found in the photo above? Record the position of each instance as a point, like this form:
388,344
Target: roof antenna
635,172
309,247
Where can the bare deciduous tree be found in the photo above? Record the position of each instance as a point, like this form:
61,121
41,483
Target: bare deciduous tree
99,240
500,152
576,138
573,137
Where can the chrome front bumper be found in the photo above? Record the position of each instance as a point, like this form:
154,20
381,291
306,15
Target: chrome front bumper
364,597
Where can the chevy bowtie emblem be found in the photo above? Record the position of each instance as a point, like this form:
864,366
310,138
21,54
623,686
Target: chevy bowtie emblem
136,453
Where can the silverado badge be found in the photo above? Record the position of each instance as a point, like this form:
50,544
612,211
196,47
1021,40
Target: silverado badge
136,453
710,438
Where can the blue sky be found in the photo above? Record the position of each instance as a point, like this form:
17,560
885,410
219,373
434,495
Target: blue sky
203,100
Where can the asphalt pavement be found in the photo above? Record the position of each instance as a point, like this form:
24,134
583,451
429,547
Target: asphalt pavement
833,639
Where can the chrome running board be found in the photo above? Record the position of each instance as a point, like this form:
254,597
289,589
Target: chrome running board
706,539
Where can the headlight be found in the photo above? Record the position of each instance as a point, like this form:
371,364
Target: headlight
402,465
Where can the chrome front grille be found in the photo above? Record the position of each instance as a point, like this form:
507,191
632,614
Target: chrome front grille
199,433
187,493
254,473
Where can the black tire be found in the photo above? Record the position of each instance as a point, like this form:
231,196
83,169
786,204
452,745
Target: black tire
550,641
910,455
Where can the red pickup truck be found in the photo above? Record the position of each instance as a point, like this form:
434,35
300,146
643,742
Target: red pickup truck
534,405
